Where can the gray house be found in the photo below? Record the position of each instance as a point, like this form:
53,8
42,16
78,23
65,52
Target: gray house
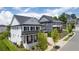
24,30
48,23
3,28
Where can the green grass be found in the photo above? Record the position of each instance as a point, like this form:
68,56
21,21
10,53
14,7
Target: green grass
3,47
10,45
66,38
6,45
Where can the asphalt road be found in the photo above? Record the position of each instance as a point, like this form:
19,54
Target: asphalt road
73,44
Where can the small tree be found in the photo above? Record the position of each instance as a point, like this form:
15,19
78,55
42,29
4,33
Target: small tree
55,35
73,25
69,28
42,40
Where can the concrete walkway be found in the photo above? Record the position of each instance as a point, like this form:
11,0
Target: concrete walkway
50,44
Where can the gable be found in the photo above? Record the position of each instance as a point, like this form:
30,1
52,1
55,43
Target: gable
43,19
14,22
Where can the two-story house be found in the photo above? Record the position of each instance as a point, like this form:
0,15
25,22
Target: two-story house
24,30
48,23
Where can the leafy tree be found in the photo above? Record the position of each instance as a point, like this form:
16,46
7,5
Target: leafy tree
55,35
42,40
73,16
73,25
49,34
55,18
63,18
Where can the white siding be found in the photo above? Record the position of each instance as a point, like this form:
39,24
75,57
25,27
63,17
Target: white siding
16,35
15,22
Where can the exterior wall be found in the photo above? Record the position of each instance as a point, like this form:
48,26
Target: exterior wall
16,34
47,27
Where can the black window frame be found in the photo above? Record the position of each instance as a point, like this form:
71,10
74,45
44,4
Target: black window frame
26,28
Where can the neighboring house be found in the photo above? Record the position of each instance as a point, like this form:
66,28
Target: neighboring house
48,23
70,19
24,30
3,28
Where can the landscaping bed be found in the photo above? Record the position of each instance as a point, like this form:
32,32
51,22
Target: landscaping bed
63,34
70,35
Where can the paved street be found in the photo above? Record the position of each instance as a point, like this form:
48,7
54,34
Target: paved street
73,44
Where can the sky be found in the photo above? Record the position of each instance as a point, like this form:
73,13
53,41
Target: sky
6,13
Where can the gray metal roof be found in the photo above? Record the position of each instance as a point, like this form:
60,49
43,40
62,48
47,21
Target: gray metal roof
24,19
47,17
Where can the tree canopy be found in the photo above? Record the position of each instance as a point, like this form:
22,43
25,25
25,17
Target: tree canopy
63,18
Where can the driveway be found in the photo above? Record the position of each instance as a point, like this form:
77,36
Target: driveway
73,44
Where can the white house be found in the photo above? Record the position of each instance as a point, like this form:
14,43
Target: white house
24,30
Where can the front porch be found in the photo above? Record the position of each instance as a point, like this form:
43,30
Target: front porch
29,40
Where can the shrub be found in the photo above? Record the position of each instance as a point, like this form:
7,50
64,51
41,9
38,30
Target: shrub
55,35
69,28
42,40
49,34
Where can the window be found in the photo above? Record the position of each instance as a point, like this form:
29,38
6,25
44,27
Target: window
32,28
37,28
26,28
